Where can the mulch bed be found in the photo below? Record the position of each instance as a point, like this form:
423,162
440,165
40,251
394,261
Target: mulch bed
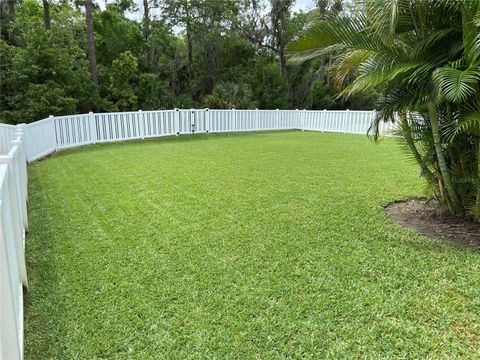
424,216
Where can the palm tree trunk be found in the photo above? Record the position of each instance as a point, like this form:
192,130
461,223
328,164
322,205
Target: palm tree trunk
442,163
91,41
477,202
407,135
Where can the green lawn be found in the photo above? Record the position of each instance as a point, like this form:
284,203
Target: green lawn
265,246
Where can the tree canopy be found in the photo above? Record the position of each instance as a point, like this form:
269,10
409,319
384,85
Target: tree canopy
65,57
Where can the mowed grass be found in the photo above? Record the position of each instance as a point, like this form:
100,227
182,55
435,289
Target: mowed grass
249,246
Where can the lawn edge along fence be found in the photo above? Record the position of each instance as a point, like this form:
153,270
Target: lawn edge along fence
25,143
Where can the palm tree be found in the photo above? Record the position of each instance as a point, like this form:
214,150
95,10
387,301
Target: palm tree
423,57
228,95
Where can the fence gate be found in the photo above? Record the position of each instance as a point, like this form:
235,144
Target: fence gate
199,121
192,121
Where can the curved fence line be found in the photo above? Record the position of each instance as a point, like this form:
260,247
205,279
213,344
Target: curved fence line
34,141
55,133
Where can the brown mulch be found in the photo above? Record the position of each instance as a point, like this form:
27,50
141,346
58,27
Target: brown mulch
423,216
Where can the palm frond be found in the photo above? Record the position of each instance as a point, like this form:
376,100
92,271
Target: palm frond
471,125
455,84
348,61
351,33
471,36
304,56
377,76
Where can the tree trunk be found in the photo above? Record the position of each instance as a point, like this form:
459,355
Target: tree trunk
8,15
46,14
477,202
283,61
146,34
442,163
146,20
407,135
91,41
190,47
279,15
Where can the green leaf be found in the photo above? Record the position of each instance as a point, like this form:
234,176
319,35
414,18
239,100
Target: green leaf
457,85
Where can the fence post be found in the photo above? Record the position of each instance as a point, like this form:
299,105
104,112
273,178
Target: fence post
177,121
12,203
207,120
21,176
234,117
53,131
141,124
304,119
192,121
294,123
21,131
347,119
277,119
93,128
324,122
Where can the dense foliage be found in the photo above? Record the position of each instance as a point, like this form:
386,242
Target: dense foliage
423,57
179,53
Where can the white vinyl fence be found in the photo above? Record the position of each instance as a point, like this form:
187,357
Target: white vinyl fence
7,133
22,143
55,133
13,223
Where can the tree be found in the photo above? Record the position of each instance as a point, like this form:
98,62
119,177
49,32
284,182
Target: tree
182,13
44,72
115,34
91,41
147,26
204,23
328,8
123,74
274,31
229,95
150,92
424,60
182,53
270,87
7,16
46,14
146,19
279,14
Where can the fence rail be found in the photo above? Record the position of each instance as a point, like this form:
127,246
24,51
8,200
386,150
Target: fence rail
23,143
